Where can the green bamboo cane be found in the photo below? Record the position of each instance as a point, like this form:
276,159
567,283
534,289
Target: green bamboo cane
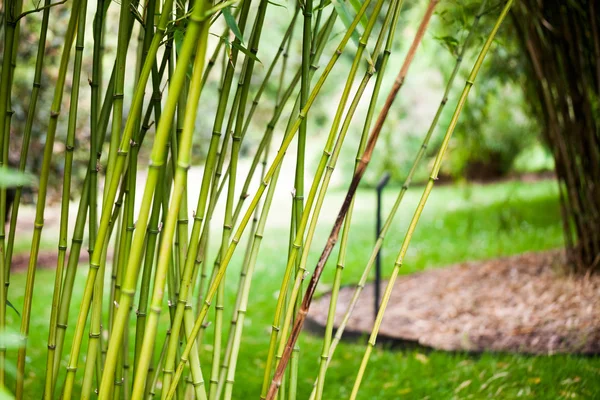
247,253
31,112
247,216
243,88
323,169
269,131
111,194
55,348
432,178
11,35
95,332
123,38
391,21
197,30
298,199
43,187
192,251
151,237
94,347
366,272
66,192
331,241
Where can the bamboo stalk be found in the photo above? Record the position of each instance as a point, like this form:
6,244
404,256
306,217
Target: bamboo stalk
31,112
247,254
196,36
11,35
43,188
111,194
432,178
247,216
66,193
346,204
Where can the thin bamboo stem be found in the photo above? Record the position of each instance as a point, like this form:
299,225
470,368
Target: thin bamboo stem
43,188
432,178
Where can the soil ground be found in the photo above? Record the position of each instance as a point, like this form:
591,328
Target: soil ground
524,304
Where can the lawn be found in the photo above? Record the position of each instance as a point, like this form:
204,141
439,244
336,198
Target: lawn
459,223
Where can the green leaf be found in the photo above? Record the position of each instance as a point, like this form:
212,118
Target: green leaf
450,43
247,52
276,4
8,303
10,177
347,18
230,21
356,5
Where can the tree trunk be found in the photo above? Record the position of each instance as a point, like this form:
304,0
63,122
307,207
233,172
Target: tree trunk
561,42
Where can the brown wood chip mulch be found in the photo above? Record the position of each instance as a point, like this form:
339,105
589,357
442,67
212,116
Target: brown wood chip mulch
525,304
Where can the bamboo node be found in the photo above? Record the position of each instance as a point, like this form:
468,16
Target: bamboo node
37,85
54,114
71,369
94,335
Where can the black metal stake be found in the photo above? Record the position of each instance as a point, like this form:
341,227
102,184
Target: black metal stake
382,183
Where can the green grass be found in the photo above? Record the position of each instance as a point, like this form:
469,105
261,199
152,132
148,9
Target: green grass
469,223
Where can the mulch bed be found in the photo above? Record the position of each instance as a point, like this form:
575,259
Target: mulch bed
524,304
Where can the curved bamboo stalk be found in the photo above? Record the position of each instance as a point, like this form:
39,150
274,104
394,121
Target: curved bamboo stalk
31,112
324,171
432,178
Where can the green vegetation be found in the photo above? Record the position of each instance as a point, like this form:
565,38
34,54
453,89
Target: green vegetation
460,223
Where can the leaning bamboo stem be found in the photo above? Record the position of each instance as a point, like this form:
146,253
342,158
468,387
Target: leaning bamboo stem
64,212
43,188
346,204
432,178
248,215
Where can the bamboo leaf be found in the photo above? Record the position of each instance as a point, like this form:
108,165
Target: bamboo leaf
277,4
8,303
346,17
247,52
230,21
356,5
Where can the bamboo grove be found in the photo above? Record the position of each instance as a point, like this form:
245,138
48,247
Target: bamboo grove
152,304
